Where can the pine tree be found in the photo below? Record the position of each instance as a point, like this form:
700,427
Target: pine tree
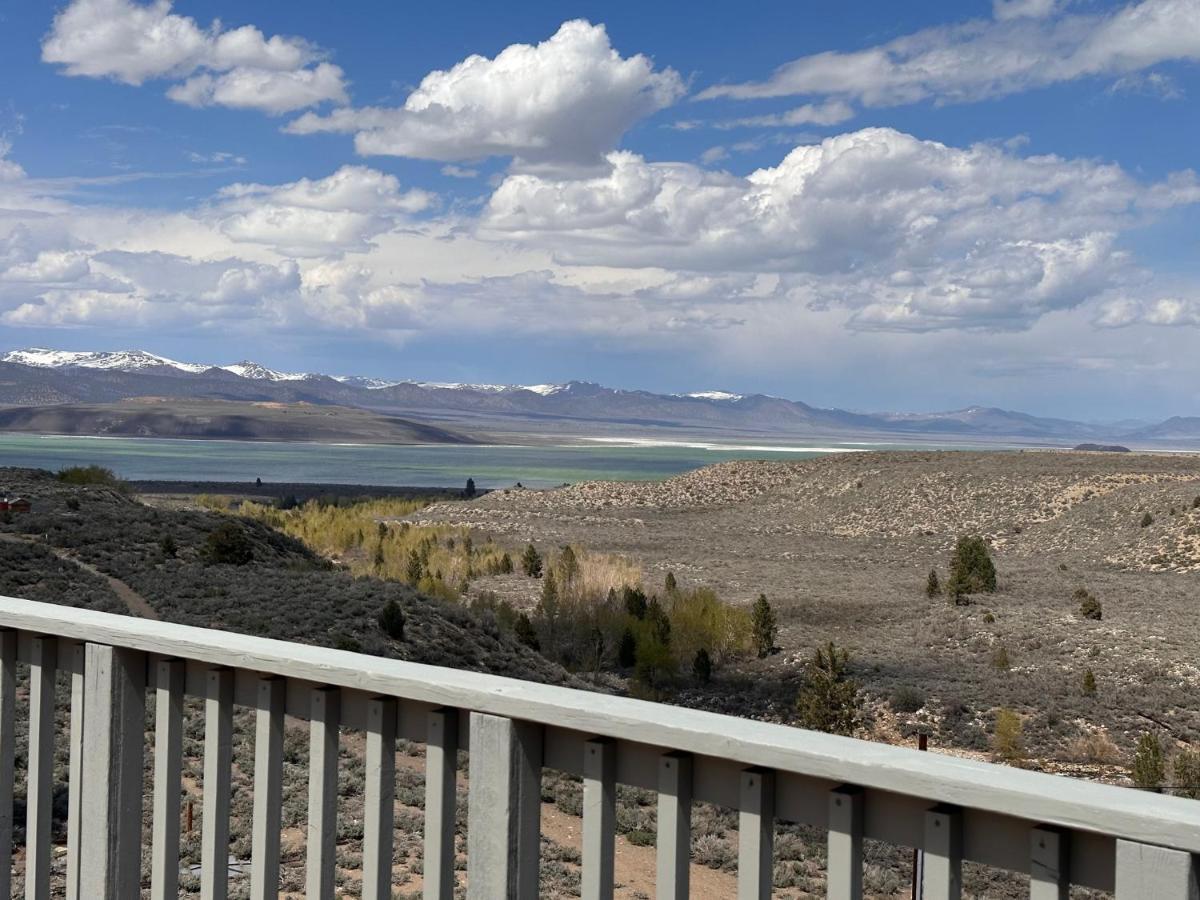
506,565
635,602
670,585
971,569
379,557
932,586
1148,770
702,666
763,627
1147,520
829,699
531,562
660,625
525,632
1089,683
415,570
470,491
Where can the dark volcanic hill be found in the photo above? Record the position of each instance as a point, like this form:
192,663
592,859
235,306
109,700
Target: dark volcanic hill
225,420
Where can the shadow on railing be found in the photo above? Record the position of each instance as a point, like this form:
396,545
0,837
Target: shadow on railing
1058,830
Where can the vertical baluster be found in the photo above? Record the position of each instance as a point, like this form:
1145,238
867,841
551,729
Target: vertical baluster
942,877
1049,863
8,746
756,835
268,788
218,771
322,792
1145,871
41,768
75,770
845,843
380,799
168,764
114,724
599,817
674,826
504,808
441,802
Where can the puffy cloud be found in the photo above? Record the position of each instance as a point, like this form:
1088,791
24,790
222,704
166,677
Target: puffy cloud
1026,46
9,170
566,100
1166,311
133,43
319,217
909,234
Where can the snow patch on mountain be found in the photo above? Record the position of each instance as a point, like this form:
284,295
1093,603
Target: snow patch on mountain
247,369
119,360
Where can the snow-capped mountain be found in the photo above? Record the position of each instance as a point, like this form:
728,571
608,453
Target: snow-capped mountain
247,369
44,377
120,360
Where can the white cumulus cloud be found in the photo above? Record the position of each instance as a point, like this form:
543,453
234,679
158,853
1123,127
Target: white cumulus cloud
567,100
132,42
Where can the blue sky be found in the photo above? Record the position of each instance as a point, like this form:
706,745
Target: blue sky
870,205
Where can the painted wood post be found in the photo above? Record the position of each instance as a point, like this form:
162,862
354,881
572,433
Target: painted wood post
218,773
942,874
268,788
380,798
756,834
8,747
114,721
1049,863
75,769
40,781
845,843
674,826
325,714
504,808
599,818
169,677
1145,871
441,802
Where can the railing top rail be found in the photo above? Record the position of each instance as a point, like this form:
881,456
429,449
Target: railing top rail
1032,796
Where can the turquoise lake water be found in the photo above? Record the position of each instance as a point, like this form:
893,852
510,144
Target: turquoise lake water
419,466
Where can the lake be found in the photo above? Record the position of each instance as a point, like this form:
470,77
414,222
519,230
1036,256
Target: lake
149,459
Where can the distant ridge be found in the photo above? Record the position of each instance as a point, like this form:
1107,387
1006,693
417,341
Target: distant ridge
41,376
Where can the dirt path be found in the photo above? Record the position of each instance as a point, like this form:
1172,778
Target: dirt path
137,604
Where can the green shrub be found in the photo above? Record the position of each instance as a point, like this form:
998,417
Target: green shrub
1000,659
627,649
1008,739
1147,520
763,627
669,584
1089,606
635,602
1185,773
391,620
228,545
168,546
829,699
971,568
989,618
525,632
1089,683
907,699
94,475
655,666
702,666
933,587
1149,772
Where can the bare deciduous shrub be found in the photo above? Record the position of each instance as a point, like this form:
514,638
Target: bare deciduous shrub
1094,747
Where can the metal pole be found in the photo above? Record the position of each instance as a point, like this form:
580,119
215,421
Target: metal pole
919,855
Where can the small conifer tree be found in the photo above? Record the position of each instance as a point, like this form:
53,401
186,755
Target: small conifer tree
1147,520
971,568
670,584
702,666
568,566
933,587
414,570
829,699
470,489
763,627
524,631
1089,606
635,602
1008,742
627,649
1089,683
506,565
168,546
1185,774
531,562
1149,772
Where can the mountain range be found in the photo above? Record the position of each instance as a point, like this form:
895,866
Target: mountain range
46,377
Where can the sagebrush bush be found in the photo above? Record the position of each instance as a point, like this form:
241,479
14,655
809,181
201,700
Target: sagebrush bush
1089,606
907,699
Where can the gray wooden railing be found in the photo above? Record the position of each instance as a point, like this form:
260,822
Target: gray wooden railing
1058,830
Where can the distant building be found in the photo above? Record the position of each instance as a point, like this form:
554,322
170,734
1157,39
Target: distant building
16,504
